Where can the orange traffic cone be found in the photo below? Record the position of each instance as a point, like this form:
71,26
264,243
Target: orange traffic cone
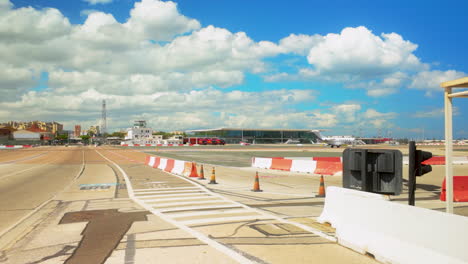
202,174
321,192
256,187
213,177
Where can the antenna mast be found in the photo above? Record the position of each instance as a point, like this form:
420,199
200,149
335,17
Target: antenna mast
103,118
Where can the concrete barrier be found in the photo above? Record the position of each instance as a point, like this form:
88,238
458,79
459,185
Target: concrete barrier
440,160
179,166
460,189
393,232
318,165
169,165
308,166
329,168
14,146
157,160
262,163
162,164
151,161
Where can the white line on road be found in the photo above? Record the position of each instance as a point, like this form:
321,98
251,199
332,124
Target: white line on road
179,198
46,202
305,227
222,248
170,195
158,204
224,219
156,194
28,169
210,212
187,208
165,189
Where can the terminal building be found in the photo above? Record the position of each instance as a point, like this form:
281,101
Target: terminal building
258,136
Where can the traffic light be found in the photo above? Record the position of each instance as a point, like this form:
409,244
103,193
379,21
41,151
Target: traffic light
416,168
421,169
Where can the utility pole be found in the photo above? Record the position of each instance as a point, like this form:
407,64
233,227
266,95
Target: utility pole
103,119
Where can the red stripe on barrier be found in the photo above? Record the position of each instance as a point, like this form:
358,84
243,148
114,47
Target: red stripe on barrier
460,189
136,145
329,159
147,160
169,165
281,164
156,162
147,145
439,160
27,146
10,146
158,145
328,167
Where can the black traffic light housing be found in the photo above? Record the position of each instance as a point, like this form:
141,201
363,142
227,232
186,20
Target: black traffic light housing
416,168
373,170
420,156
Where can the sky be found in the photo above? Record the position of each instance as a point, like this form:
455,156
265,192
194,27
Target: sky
363,68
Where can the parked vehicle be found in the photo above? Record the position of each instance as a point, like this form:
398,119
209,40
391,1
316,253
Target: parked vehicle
203,141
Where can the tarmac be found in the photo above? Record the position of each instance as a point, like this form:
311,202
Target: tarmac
72,205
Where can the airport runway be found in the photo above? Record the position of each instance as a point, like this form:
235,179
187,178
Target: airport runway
71,205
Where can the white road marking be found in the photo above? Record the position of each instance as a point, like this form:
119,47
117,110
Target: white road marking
23,159
187,208
181,198
174,195
302,226
213,243
224,219
159,204
154,194
6,230
28,169
211,212
165,189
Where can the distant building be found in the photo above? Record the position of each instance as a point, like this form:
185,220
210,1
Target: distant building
6,133
52,127
140,134
257,136
94,130
376,140
44,134
77,131
26,135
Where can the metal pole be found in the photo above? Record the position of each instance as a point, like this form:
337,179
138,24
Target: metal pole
364,179
448,151
411,171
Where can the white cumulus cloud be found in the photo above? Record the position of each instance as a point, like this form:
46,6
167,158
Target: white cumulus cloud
357,51
431,80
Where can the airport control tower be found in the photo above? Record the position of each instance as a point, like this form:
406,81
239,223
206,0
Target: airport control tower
139,124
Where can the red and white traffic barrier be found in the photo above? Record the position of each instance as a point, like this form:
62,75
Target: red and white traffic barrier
15,146
156,145
440,160
315,165
178,167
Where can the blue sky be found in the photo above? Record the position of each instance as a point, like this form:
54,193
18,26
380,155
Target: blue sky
352,67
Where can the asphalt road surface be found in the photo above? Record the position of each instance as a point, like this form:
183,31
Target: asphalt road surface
72,205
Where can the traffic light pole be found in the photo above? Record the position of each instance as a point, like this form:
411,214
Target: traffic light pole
411,173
